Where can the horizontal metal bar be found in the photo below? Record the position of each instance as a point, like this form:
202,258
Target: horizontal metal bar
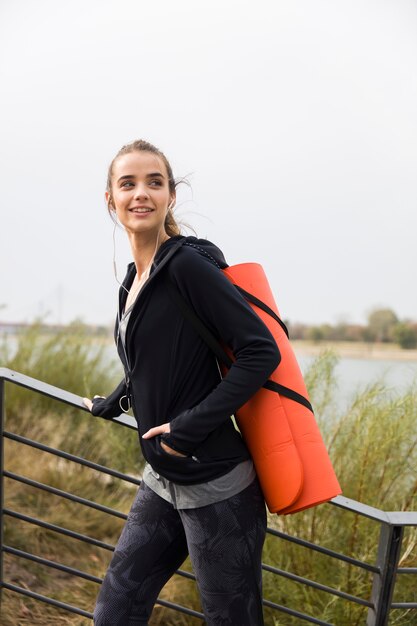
404,605
58,529
181,609
40,387
303,616
185,574
71,457
319,586
38,596
78,611
47,563
406,570
74,535
402,518
326,551
393,518
64,494
55,392
360,508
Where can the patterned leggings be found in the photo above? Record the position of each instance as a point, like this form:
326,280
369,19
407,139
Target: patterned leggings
224,541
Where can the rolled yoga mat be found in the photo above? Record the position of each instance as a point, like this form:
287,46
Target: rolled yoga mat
281,432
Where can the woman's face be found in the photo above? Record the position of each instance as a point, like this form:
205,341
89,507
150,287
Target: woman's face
140,192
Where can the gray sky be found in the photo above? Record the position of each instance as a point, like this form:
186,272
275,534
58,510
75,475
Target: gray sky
296,120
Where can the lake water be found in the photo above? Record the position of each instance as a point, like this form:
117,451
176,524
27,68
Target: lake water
353,374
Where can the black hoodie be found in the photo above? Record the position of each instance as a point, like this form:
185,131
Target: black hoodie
171,374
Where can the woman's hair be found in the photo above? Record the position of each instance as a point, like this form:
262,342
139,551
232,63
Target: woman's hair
171,226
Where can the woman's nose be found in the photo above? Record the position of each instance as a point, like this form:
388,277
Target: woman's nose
141,191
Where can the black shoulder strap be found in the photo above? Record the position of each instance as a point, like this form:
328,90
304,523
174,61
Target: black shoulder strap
217,349
261,305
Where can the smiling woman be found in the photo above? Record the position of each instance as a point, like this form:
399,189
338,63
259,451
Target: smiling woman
140,195
199,493
126,169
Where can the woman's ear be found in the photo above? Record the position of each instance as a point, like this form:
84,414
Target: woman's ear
109,201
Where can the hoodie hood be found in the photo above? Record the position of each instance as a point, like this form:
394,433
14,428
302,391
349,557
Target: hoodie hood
205,247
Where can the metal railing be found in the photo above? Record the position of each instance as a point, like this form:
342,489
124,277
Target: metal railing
383,572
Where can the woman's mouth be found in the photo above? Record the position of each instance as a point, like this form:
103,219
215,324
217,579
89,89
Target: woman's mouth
141,210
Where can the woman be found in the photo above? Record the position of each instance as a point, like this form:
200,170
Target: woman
199,494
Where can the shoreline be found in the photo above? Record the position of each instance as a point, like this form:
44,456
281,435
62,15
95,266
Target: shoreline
354,350
302,347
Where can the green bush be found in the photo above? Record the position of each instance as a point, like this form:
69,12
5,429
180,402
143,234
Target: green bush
405,334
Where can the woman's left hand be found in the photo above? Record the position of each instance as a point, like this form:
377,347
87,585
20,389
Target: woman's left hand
159,430
89,403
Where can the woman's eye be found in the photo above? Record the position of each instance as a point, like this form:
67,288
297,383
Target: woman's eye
156,183
126,183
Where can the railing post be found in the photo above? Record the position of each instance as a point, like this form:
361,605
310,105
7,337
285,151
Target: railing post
389,550
1,484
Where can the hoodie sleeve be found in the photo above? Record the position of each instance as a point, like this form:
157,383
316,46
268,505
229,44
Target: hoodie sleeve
224,311
109,407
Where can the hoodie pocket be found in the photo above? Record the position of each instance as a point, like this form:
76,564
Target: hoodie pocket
169,454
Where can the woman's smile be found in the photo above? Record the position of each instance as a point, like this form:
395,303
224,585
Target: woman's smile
141,211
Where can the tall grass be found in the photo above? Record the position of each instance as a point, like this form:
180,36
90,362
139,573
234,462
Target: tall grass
77,362
372,445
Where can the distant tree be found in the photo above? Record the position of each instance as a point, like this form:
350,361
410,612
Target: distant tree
328,332
315,333
405,334
338,332
368,335
381,323
297,330
354,332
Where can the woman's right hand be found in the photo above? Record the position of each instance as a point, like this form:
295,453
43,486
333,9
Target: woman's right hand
89,403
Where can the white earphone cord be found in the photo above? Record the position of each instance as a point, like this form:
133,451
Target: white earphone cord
114,256
127,397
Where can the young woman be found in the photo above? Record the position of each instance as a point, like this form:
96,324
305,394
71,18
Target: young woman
199,494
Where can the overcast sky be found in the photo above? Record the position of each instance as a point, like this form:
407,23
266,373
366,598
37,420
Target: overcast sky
296,121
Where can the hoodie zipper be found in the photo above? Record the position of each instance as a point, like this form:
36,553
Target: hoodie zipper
127,369
125,401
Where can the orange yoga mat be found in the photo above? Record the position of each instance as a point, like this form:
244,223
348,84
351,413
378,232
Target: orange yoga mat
291,460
